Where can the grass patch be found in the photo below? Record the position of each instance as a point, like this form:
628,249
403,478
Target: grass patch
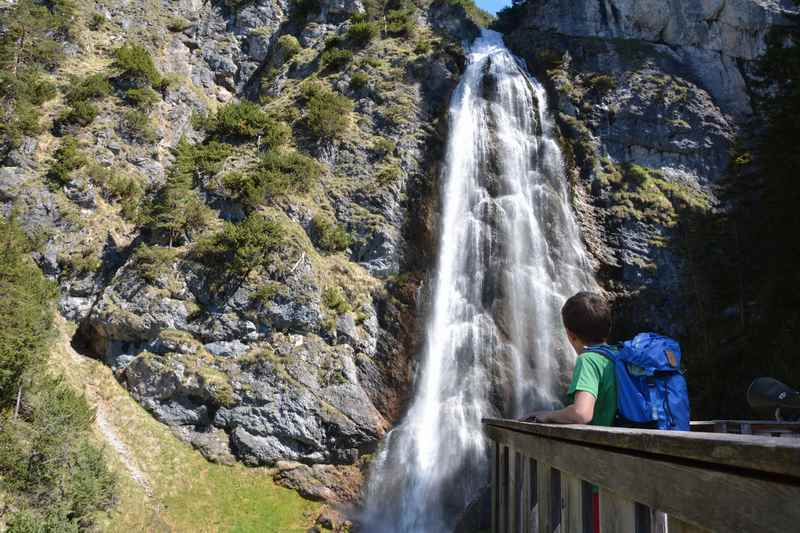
187,493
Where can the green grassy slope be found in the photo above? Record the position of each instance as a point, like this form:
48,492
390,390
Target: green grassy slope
165,485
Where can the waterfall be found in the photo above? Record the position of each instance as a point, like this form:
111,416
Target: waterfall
510,254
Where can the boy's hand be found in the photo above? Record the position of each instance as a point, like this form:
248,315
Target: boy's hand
538,416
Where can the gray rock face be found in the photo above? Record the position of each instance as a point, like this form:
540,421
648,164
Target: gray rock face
709,35
652,96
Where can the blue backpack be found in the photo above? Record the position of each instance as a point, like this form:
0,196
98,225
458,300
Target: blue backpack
651,389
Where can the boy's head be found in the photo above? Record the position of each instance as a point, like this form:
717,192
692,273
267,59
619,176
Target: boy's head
587,319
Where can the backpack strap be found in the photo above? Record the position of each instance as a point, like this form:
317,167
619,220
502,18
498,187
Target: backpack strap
602,349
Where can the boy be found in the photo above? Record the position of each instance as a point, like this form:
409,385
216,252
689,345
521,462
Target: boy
593,391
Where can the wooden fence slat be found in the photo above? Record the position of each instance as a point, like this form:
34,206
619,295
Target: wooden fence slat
526,494
502,523
533,489
617,514
514,488
543,486
494,487
571,504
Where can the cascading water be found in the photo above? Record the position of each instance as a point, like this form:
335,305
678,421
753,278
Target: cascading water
510,254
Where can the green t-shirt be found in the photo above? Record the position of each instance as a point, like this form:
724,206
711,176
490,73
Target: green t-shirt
594,373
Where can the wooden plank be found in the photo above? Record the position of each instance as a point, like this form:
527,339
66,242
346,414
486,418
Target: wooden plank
543,487
571,504
495,459
526,494
617,514
533,489
502,515
756,452
722,500
515,488
677,526
659,520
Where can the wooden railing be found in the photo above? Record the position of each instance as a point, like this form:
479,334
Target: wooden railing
543,477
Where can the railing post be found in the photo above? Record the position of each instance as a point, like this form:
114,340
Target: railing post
502,523
571,502
617,515
543,486
513,499
533,495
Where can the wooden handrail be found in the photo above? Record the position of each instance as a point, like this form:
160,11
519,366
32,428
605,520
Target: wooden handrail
705,481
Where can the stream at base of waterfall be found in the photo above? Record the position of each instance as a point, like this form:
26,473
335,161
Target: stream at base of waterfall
510,253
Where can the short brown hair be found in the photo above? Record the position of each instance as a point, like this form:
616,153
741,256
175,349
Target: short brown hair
587,315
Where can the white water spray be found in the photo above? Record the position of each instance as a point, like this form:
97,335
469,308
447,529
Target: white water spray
510,254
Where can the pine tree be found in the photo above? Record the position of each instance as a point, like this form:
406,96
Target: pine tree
177,209
25,310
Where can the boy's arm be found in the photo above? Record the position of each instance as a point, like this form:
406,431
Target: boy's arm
581,411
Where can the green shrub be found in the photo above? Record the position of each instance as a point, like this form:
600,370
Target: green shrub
97,21
247,120
388,174
81,114
289,45
330,236
138,127
66,159
400,22
359,80
91,87
360,34
24,120
602,83
383,146
208,157
81,261
266,292
134,63
178,24
144,98
286,172
243,247
150,262
327,113
120,187
334,59
275,174
334,299
31,86
423,47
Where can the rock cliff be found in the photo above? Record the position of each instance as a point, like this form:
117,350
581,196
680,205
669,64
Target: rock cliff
305,356
657,101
